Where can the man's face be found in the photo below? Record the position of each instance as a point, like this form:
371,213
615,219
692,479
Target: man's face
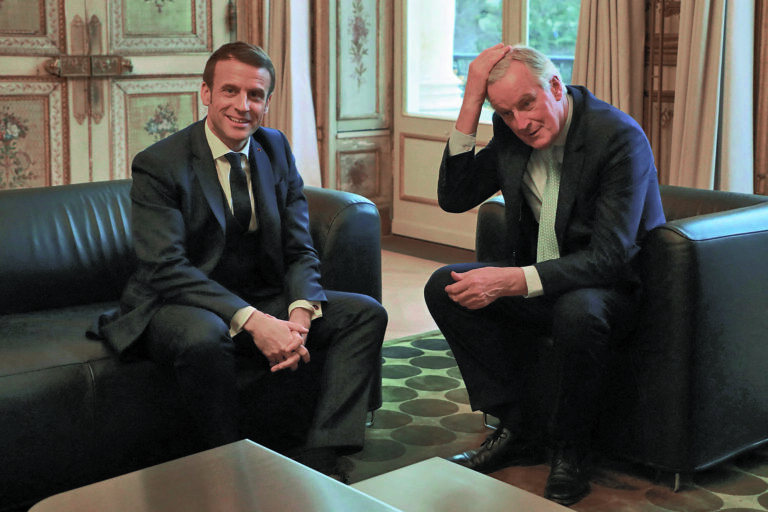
536,115
237,101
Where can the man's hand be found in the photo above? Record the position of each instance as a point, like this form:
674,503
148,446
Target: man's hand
302,317
476,87
281,342
479,287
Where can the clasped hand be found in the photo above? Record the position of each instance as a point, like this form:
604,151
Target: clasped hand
281,341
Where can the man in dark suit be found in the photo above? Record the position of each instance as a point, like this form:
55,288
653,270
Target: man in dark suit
227,271
581,191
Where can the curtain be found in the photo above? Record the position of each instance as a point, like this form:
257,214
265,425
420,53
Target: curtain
609,52
761,98
292,109
712,124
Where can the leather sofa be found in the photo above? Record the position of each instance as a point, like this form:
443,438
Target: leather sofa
70,412
690,387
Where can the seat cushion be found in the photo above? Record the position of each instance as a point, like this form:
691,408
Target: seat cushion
49,338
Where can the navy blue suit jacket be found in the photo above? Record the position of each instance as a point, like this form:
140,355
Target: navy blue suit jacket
178,229
609,195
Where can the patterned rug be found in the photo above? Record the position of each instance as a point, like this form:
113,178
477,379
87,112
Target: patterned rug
426,414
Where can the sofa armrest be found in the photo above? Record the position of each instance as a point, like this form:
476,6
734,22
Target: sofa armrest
346,231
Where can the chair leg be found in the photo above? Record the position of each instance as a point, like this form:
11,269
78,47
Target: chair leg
680,480
487,423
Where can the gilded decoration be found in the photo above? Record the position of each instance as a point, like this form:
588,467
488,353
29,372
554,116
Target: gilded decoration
359,173
31,123
163,123
358,95
159,4
358,33
160,26
31,27
15,163
146,111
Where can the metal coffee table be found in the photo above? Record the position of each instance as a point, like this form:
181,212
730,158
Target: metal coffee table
438,485
239,477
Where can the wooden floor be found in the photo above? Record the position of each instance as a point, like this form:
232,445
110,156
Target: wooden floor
406,265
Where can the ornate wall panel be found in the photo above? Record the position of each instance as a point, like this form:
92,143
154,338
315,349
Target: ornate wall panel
33,137
32,27
357,57
160,26
360,72
364,166
357,116
145,111
359,162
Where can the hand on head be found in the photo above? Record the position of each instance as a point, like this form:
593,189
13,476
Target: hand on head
480,69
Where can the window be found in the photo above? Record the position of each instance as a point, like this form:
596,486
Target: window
444,36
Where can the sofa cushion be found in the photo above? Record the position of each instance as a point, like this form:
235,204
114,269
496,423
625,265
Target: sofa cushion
49,339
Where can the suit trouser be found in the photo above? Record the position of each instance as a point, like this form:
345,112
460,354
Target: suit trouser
496,350
328,395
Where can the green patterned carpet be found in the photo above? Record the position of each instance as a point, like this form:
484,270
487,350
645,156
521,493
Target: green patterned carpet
426,414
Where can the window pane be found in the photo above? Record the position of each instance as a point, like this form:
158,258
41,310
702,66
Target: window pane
437,59
552,27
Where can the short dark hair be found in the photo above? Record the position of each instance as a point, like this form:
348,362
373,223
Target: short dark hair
243,52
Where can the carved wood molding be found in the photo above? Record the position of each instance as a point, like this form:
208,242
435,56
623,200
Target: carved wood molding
121,91
52,135
199,39
28,41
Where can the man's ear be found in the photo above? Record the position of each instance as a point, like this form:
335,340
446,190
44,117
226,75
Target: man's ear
556,86
205,94
266,105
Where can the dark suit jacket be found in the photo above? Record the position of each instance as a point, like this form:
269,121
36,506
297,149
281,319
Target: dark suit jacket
178,224
609,195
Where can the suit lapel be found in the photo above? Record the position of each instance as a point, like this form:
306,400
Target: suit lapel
263,181
205,169
571,169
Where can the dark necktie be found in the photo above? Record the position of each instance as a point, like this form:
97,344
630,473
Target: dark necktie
238,183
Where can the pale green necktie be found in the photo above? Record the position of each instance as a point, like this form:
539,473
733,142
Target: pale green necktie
546,248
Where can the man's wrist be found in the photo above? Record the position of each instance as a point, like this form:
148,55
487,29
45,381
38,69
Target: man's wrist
533,281
239,319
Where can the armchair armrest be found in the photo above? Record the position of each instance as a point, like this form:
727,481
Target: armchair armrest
700,349
346,231
491,233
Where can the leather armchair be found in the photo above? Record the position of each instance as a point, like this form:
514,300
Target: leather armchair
689,388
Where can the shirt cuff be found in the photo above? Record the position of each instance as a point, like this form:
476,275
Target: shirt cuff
460,142
238,321
242,315
314,307
535,289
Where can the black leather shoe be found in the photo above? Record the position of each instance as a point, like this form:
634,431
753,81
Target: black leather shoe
568,480
499,450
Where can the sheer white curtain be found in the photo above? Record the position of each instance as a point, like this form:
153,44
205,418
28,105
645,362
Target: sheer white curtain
609,52
292,109
712,124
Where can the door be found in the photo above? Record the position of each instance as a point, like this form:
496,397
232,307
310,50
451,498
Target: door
86,84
